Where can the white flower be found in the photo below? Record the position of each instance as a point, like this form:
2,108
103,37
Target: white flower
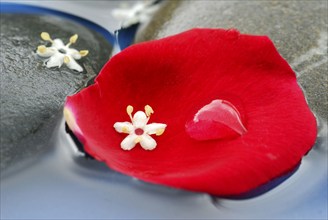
60,53
139,131
140,12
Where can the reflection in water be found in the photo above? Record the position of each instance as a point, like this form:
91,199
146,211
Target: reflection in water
63,184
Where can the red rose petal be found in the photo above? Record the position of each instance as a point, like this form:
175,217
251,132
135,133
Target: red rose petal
179,75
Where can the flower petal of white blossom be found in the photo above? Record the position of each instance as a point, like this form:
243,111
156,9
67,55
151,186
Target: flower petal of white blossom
58,43
48,52
72,64
139,119
74,53
147,142
55,60
129,142
123,127
155,128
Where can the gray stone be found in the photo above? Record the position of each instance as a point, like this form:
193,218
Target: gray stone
298,29
31,94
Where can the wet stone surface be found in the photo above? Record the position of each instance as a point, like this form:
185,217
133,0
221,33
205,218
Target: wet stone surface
31,94
299,30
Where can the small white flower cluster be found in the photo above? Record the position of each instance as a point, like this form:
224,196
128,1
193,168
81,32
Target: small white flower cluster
59,53
138,13
138,130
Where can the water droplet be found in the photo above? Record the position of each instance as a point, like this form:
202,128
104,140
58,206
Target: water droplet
218,120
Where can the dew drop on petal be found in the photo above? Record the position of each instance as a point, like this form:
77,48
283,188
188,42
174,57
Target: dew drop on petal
218,120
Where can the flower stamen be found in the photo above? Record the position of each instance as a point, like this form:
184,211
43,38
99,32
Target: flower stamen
45,36
129,111
66,59
72,40
42,49
138,139
159,132
83,53
148,110
125,130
